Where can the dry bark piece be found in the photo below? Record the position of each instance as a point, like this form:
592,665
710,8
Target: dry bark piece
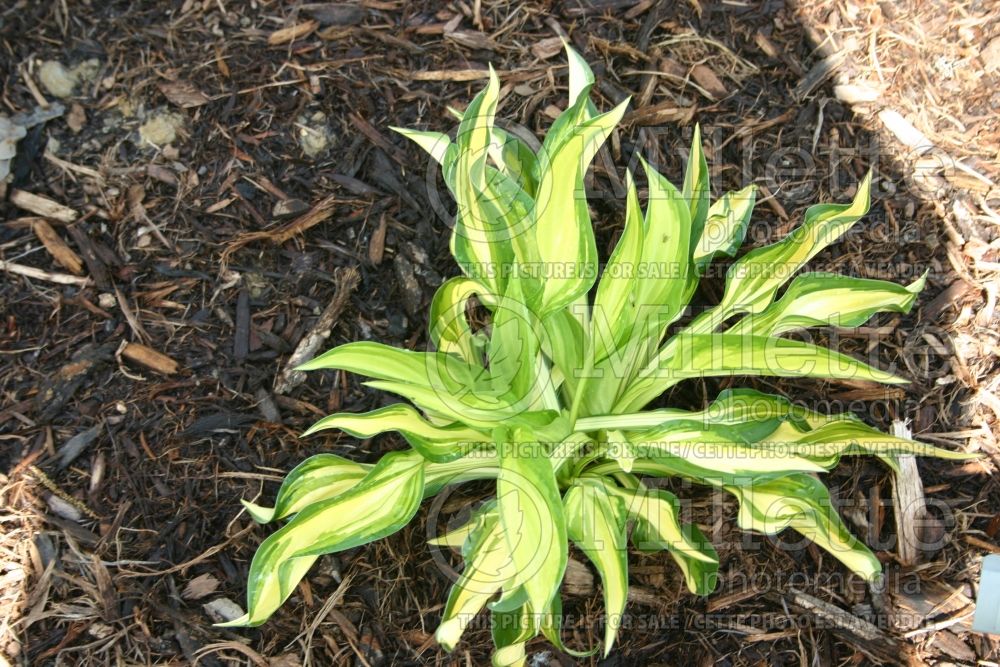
60,251
42,206
150,358
183,93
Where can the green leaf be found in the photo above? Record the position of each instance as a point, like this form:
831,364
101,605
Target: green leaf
480,240
437,144
616,304
563,343
449,329
725,226
382,503
317,478
531,514
563,233
665,253
595,521
829,299
445,372
844,437
752,281
803,503
515,159
511,631
658,526
714,355
717,448
515,371
488,566
696,187
436,443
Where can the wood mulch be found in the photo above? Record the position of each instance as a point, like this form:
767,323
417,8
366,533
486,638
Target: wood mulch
220,179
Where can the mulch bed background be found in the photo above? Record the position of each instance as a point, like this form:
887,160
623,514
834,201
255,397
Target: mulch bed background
139,408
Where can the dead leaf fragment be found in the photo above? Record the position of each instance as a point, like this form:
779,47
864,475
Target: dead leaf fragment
183,93
292,33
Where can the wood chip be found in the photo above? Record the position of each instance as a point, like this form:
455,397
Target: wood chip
335,13
666,112
150,358
183,93
819,73
709,81
347,282
547,48
451,75
39,274
42,206
201,586
857,632
908,502
292,33
60,251
376,245
471,39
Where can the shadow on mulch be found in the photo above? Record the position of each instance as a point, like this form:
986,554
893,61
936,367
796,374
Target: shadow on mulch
139,408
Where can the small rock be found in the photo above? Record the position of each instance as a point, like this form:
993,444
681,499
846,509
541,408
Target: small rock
222,610
288,208
161,128
314,135
100,630
64,509
76,118
107,301
10,134
56,79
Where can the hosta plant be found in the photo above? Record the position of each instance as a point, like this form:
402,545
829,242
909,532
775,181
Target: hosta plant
546,398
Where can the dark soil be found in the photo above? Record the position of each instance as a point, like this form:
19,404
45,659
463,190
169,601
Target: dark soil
122,475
